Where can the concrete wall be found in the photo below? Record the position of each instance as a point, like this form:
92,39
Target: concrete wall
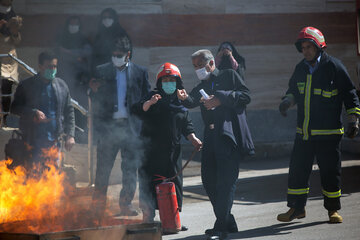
170,30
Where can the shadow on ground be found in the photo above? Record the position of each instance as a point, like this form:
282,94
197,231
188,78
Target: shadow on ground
273,188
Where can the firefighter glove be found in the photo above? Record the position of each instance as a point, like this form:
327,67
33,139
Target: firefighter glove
284,106
353,126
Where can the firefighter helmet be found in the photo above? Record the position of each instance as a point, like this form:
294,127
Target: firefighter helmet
313,35
168,69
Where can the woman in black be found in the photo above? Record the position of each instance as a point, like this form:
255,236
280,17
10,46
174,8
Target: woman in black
165,120
227,57
109,30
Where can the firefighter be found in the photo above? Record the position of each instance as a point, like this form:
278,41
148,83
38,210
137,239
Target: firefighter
319,86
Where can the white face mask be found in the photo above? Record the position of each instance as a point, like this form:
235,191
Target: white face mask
108,22
118,62
202,74
74,29
4,9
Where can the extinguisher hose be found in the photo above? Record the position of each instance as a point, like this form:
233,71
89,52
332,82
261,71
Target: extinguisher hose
177,174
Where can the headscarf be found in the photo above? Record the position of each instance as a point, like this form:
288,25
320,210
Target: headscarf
72,41
225,63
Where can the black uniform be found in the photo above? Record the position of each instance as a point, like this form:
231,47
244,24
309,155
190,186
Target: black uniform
226,138
163,125
319,96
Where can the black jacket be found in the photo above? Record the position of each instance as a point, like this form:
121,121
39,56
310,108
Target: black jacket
229,118
320,97
105,99
27,101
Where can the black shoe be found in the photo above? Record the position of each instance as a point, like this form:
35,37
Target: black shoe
184,228
128,211
230,230
217,236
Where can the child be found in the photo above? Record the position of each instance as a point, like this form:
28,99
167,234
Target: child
164,121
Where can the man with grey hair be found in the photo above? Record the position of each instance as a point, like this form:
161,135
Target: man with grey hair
226,136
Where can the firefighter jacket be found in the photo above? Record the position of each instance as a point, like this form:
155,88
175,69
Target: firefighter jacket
320,96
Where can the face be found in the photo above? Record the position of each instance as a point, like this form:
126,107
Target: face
106,15
309,50
74,21
48,65
168,79
199,62
120,54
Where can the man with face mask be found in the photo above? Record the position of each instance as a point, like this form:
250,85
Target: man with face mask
320,85
226,135
10,37
43,104
118,85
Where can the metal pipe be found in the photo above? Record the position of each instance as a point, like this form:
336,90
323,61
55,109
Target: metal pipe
90,141
26,67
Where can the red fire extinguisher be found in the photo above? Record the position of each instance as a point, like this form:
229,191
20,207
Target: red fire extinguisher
168,207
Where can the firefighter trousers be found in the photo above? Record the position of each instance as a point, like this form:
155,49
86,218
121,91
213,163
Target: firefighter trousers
327,155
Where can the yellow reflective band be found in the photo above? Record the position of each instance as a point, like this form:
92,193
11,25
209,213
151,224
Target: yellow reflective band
326,94
301,87
307,107
334,92
327,131
354,110
298,130
317,91
332,194
299,191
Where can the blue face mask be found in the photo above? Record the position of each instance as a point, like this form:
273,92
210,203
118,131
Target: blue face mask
169,87
50,74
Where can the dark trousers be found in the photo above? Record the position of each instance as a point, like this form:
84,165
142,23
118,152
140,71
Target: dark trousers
327,154
219,172
117,136
6,88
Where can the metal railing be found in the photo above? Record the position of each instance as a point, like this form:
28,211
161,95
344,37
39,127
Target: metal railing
74,103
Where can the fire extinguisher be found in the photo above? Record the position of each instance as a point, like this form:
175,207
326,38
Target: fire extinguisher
167,201
168,207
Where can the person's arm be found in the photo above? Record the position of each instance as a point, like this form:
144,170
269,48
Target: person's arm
69,118
189,133
289,99
190,100
19,106
239,96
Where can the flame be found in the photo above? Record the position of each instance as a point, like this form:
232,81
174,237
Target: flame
39,199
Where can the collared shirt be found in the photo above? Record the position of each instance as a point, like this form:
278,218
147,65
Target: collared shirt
121,93
48,102
313,68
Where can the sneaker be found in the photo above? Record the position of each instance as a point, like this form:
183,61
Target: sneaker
291,215
334,217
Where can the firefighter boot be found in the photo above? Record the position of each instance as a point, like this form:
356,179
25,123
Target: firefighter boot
334,217
291,215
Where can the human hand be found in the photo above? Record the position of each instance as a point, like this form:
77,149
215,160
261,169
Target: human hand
353,126
182,94
153,100
69,143
195,141
210,103
40,117
284,106
94,84
227,52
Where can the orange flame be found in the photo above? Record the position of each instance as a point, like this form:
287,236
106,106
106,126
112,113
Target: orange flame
42,202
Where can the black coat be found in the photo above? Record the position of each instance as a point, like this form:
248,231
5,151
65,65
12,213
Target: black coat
27,101
229,118
164,123
105,99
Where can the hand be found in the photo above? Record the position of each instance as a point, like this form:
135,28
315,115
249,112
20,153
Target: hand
2,22
211,103
182,95
195,141
40,117
153,100
94,85
284,106
353,126
227,52
69,143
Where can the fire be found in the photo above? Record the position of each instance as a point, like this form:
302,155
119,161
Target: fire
39,200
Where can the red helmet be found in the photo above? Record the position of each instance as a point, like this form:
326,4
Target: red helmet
310,34
168,69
